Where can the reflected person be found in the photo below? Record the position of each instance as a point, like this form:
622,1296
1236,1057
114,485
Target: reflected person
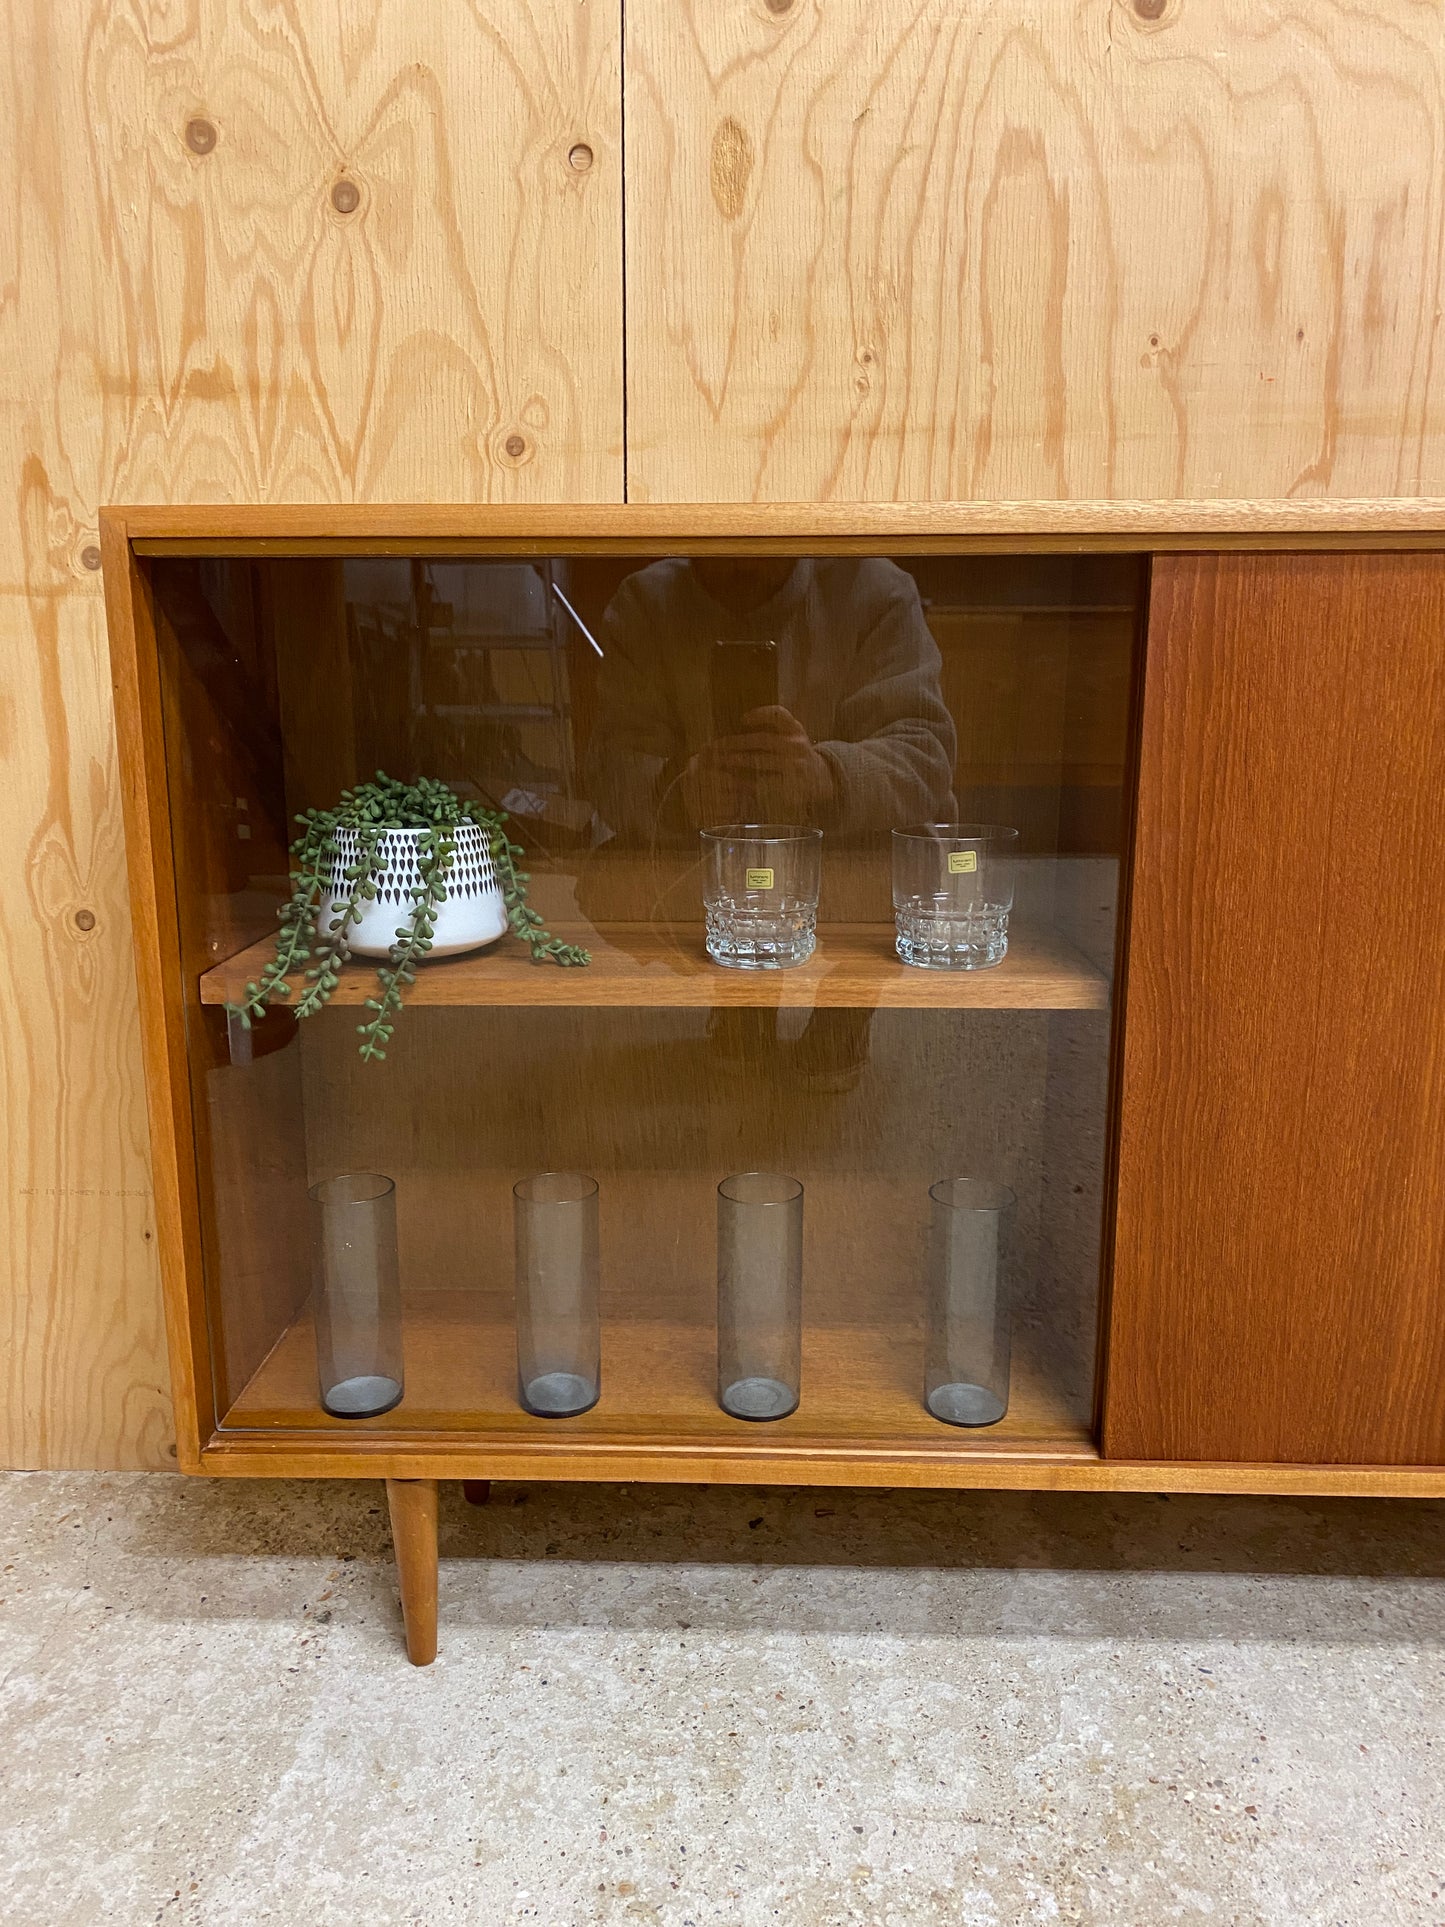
858,742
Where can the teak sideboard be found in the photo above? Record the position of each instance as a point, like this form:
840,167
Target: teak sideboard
1211,1066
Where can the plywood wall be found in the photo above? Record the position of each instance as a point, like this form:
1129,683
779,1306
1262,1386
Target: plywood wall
248,252
1023,249
371,250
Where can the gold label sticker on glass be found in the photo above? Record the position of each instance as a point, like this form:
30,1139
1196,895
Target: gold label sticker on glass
962,863
760,879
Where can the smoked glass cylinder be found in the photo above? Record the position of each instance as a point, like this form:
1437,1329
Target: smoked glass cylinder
759,1295
966,1352
357,1295
559,1329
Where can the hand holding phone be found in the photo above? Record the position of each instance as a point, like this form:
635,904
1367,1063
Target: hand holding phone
744,677
760,762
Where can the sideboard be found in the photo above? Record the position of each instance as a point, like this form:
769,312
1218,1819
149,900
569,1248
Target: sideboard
1211,1067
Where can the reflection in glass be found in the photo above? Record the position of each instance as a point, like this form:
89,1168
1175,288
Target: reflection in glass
559,1338
944,688
953,888
847,731
357,1295
759,1294
966,1356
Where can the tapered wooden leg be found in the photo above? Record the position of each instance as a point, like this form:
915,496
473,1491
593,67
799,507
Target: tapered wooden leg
413,1507
476,1491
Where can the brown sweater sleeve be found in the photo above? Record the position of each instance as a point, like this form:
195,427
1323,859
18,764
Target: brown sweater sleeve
893,743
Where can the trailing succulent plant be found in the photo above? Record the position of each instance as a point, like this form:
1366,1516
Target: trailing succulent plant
367,813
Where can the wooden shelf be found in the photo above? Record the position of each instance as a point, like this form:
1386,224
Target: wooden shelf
854,967
861,1390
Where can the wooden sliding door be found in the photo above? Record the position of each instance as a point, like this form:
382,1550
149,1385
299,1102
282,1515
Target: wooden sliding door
1279,1270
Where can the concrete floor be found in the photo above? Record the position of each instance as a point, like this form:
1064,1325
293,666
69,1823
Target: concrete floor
682,1706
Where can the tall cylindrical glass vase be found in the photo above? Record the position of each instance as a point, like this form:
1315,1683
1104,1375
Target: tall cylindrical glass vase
966,1354
559,1332
759,1294
357,1294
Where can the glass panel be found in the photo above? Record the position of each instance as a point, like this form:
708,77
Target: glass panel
616,709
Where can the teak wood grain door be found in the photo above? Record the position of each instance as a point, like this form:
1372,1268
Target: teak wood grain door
1279,1274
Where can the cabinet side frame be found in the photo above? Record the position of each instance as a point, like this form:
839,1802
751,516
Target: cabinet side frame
150,861
1119,1001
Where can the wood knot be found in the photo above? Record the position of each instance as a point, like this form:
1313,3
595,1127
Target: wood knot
200,136
778,6
516,446
90,556
345,197
732,167
1150,9
85,919
580,157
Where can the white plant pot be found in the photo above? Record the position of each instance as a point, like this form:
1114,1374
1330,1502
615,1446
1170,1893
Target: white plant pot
474,913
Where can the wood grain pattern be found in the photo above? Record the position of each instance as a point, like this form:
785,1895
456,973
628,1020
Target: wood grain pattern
219,330
996,249
186,325
1279,1273
294,1455
412,1504
862,1385
854,967
788,528
81,1335
140,701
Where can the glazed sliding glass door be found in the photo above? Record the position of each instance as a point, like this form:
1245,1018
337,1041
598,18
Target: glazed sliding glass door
842,837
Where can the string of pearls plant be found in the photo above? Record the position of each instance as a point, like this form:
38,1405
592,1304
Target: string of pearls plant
368,812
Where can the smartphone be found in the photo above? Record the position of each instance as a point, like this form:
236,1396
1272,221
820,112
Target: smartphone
744,678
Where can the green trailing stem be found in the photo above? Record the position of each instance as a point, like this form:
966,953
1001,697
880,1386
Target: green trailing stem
370,810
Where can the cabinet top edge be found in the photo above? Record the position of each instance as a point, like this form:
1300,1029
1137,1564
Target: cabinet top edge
819,528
